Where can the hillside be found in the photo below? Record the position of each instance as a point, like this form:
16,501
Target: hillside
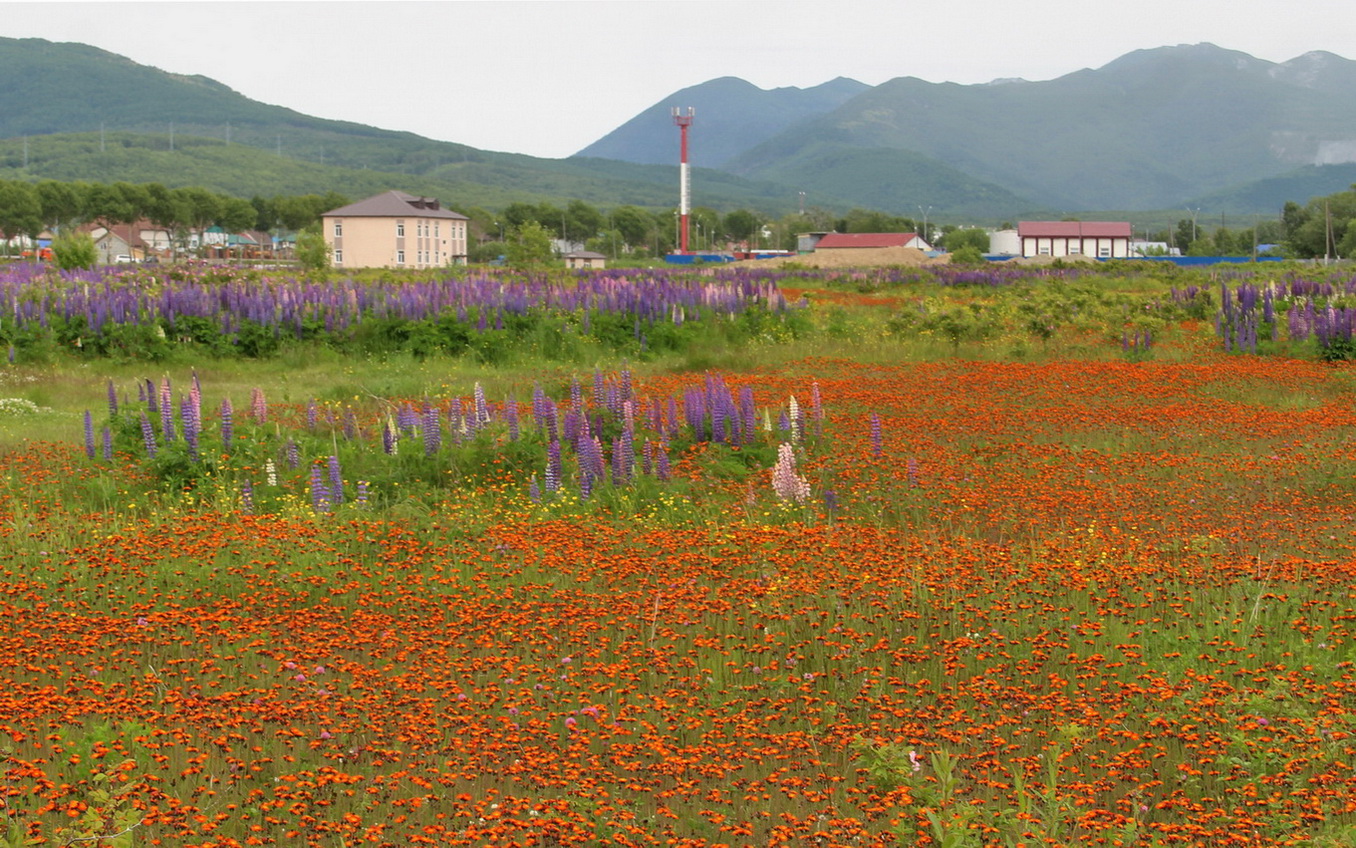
74,112
731,116
1153,129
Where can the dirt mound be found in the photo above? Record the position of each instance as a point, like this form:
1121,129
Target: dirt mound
856,257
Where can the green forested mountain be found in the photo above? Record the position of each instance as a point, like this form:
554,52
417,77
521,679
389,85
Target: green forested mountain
731,116
74,112
1188,126
1153,129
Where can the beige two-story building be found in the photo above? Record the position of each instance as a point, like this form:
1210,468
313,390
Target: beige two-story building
395,230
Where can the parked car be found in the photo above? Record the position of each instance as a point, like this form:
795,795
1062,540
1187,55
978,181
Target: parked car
123,259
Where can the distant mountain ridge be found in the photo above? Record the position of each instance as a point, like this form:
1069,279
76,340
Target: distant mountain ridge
75,112
1151,129
1158,129
735,115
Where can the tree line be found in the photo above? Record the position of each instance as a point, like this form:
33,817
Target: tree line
29,209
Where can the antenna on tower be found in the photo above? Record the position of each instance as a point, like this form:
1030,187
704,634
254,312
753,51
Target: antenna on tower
683,121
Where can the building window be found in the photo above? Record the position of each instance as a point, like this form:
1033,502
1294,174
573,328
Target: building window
400,229
436,228
1103,251
1075,249
338,229
400,257
338,257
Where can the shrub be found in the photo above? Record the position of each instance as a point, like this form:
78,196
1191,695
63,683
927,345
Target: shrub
74,251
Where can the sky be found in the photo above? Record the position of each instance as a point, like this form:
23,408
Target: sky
549,77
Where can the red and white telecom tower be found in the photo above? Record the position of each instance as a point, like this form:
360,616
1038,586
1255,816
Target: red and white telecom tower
683,121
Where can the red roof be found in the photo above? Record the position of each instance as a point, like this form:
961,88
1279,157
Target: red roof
1073,229
865,240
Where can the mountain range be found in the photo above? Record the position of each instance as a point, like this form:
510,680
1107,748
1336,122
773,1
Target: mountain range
1194,126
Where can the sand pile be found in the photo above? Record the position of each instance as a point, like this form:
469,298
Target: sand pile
855,257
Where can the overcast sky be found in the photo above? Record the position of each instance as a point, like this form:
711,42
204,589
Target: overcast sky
549,77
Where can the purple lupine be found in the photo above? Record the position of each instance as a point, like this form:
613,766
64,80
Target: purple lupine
89,435
188,415
433,435
912,468
661,465
511,417
166,410
320,496
227,424
336,481
619,474
108,443
312,414
247,497
748,412
406,419
350,425
456,421
292,454
647,458
533,490
148,435
112,400
876,440
388,439
362,493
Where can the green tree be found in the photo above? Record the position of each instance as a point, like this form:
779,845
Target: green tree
582,221
60,204
1185,235
741,224
106,206
530,246
967,254
20,209
312,251
968,237
634,224
235,214
72,251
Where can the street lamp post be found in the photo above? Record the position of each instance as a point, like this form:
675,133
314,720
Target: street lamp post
1193,213
925,223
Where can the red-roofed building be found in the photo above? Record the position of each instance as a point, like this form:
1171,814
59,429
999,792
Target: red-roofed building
849,241
1098,239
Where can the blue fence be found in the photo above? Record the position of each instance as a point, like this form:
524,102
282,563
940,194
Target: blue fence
1182,261
693,258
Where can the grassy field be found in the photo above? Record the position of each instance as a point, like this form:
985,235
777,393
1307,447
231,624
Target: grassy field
876,557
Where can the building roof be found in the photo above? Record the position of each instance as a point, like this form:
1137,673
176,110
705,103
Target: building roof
395,204
1073,229
584,254
833,240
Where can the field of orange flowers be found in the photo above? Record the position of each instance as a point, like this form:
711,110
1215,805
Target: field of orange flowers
1061,602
